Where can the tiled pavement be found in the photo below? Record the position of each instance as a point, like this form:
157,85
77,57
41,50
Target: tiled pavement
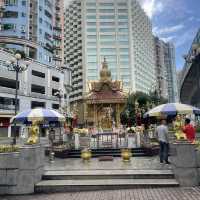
134,194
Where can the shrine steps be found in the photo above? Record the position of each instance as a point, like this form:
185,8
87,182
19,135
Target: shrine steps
136,152
92,180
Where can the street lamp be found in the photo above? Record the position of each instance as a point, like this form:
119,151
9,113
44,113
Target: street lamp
15,66
60,95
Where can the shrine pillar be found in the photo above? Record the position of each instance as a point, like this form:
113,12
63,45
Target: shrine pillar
118,115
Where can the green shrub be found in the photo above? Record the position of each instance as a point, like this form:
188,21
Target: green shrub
8,148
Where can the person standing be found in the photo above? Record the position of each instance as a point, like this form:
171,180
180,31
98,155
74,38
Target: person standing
162,133
189,130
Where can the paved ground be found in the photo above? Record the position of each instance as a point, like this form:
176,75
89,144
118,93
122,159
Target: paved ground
135,194
78,164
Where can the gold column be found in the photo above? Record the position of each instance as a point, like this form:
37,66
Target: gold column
118,115
95,121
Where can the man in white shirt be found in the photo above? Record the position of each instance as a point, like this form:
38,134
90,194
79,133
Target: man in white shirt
162,133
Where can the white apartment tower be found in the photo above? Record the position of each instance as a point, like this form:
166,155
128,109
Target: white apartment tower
166,75
118,30
161,70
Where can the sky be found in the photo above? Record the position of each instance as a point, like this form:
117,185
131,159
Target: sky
175,21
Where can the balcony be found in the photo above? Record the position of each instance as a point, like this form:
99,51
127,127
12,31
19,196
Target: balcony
58,27
57,37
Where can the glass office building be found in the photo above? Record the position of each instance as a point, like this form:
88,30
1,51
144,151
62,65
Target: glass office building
118,30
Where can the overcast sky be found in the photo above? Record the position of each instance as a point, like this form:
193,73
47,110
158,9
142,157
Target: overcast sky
176,21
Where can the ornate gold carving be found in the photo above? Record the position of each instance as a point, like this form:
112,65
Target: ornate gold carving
33,132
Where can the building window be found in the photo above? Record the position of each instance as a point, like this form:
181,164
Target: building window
91,10
10,14
91,17
9,83
54,92
48,14
11,2
23,14
90,4
38,74
23,3
7,103
106,4
55,106
38,89
36,104
106,10
122,17
56,79
9,27
107,17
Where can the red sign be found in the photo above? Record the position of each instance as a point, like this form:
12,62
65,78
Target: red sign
4,122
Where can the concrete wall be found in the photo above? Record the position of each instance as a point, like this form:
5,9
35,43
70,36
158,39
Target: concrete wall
19,172
185,162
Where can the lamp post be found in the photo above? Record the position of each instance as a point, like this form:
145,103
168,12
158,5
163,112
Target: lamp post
59,94
15,66
68,89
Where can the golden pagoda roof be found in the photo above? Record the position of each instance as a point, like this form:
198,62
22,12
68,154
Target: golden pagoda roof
106,90
105,73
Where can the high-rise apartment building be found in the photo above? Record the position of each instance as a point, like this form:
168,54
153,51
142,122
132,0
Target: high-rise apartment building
118,30
58,32
166,70
34,27
161,73
171,72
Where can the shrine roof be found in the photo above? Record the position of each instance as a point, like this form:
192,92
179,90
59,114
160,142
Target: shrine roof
106,97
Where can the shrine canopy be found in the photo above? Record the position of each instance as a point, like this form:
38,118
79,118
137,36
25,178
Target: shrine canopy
106,91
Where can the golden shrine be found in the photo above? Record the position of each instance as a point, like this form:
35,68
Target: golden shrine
105,100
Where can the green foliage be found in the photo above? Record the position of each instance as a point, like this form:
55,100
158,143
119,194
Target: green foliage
198,129
155,99
139,102
22,53
8,148
123,118
142,98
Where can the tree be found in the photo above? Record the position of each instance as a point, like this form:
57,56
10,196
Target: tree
22,53
137,104
155,99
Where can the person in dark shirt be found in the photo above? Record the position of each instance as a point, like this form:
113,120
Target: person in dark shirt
189,130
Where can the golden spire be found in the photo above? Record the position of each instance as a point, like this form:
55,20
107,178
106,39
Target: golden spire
105,74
